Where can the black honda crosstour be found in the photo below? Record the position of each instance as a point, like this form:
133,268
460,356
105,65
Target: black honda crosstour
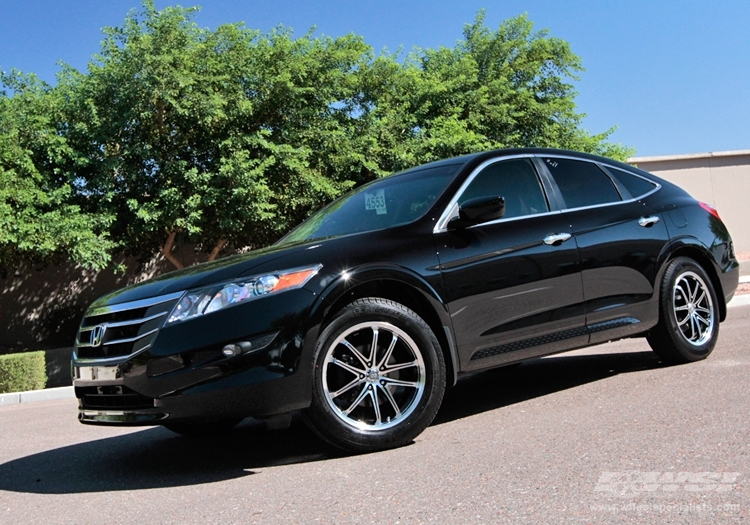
362,316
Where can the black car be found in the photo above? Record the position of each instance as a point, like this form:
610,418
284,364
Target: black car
361,316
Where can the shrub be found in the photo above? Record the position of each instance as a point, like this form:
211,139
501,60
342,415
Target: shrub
21,372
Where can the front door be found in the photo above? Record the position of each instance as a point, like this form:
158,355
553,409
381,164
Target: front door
513,285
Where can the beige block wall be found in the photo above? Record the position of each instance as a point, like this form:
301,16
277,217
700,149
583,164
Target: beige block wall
721,179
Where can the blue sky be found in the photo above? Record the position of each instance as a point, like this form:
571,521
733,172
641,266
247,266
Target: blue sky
674,76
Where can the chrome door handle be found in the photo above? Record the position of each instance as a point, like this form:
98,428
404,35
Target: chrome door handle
647,222
556,239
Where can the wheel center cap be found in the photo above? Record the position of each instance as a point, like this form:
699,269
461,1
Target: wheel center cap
691,308
372,375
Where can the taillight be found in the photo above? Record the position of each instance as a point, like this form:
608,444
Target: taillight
710,209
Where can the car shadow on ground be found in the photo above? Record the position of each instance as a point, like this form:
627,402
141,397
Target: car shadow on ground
157,458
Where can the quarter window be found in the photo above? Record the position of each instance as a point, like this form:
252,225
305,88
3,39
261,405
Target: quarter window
637,186
516,181
582,183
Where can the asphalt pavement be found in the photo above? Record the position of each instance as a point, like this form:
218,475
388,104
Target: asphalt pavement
602,435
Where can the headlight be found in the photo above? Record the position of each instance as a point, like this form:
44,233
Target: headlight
212,298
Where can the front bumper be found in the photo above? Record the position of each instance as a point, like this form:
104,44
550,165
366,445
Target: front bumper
183,374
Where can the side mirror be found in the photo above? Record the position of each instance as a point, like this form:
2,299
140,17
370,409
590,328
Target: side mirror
477,211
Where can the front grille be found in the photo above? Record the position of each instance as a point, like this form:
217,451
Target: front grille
124,329
111,398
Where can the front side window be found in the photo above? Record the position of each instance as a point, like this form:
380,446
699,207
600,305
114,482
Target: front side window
516,181
581,183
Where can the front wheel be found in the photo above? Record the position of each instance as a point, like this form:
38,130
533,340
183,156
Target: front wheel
688,314
379,377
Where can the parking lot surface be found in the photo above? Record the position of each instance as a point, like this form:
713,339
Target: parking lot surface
607,434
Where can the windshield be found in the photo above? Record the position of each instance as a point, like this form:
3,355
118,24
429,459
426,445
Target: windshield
384,203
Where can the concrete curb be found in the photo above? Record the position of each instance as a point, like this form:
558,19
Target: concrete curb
739,300
48,394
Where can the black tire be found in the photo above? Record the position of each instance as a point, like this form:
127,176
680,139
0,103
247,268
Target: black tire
688,314
202,428
379,377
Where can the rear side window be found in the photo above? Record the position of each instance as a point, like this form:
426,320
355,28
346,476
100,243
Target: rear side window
516,181
582,183
637,186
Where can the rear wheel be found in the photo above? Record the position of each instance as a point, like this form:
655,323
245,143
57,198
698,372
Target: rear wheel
379,377
688,314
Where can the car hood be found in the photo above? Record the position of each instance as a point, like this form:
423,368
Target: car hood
201,275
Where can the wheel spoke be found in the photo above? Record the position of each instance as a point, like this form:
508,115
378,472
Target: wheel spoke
399,382
375,404
356,353
373,347
362,395
401,366
685,320
354,382
703,310
383,362
390,399
701,319
347,367
692,328
693,292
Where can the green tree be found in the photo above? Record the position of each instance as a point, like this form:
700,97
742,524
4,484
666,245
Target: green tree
494,89
217,138
39,222
228,138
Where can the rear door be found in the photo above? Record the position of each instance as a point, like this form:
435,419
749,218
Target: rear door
619,241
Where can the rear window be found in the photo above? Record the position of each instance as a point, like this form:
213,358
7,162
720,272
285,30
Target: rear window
582,183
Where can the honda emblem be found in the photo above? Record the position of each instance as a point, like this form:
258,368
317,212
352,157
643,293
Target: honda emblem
97,334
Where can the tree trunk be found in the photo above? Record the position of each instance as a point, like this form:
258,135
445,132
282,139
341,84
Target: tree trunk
167,251
217,249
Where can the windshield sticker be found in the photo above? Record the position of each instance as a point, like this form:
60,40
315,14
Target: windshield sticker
375,201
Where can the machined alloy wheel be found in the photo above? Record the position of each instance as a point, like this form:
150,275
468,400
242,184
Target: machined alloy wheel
373,375
378,379
688,314
693,308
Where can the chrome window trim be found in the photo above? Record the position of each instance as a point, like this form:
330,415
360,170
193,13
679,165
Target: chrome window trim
657,186
442,224
605,164
133,305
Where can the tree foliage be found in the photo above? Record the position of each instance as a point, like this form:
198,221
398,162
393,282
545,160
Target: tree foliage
39,221
228,138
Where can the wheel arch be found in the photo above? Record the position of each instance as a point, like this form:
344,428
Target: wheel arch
404,287
701,255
